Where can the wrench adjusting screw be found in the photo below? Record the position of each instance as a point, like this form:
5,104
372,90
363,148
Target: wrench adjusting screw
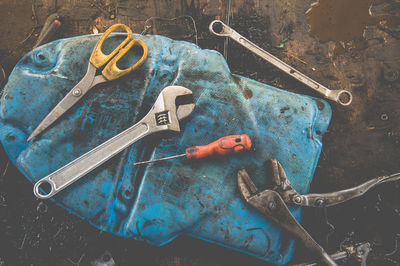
162,118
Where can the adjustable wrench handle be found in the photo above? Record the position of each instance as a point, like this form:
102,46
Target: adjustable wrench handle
79,167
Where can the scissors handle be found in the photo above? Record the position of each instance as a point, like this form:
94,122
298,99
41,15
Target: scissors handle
112,71
98,58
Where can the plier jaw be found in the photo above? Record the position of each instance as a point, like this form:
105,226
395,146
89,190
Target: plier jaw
267,202
272,204
246,186
280,182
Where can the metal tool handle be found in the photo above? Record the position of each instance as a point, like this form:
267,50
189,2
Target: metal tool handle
333,198
98,58
275,209
111,71
79,167
219,28
270,204
359,252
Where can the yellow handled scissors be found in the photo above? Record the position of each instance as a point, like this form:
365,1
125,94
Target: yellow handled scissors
97,60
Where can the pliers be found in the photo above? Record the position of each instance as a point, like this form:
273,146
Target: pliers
273,203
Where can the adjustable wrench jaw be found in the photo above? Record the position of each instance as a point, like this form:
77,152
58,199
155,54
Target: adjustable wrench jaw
166,111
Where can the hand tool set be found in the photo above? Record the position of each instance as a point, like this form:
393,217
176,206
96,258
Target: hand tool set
156,206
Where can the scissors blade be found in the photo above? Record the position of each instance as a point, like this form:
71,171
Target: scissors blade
72,97
47,121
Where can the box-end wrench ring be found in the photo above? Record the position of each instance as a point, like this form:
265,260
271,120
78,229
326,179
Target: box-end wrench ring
172,104
219,28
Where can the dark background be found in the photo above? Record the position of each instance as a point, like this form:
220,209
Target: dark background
338,43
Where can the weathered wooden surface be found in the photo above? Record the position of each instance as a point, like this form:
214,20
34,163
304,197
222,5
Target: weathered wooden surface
362,142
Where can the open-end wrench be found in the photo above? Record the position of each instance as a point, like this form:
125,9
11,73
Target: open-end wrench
342,97
163,116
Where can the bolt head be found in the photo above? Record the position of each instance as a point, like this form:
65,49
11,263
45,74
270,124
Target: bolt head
77,92
320,202
297,199
384,117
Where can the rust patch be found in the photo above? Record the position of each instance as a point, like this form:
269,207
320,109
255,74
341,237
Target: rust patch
11,138
320,105
247,93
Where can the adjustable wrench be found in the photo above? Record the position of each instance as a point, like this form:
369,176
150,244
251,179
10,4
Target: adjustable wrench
342,97
163,116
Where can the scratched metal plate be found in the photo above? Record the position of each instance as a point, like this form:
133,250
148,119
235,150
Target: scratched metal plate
158,202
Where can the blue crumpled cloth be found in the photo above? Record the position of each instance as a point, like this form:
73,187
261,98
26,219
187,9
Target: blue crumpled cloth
157,202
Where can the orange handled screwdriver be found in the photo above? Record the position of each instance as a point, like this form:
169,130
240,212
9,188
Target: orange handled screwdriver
223,146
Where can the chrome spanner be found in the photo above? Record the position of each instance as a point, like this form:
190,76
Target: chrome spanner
342,97
163,116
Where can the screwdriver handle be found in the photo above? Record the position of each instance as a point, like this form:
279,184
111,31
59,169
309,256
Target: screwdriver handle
223,146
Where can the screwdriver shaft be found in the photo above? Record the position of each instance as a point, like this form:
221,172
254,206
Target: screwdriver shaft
162,159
